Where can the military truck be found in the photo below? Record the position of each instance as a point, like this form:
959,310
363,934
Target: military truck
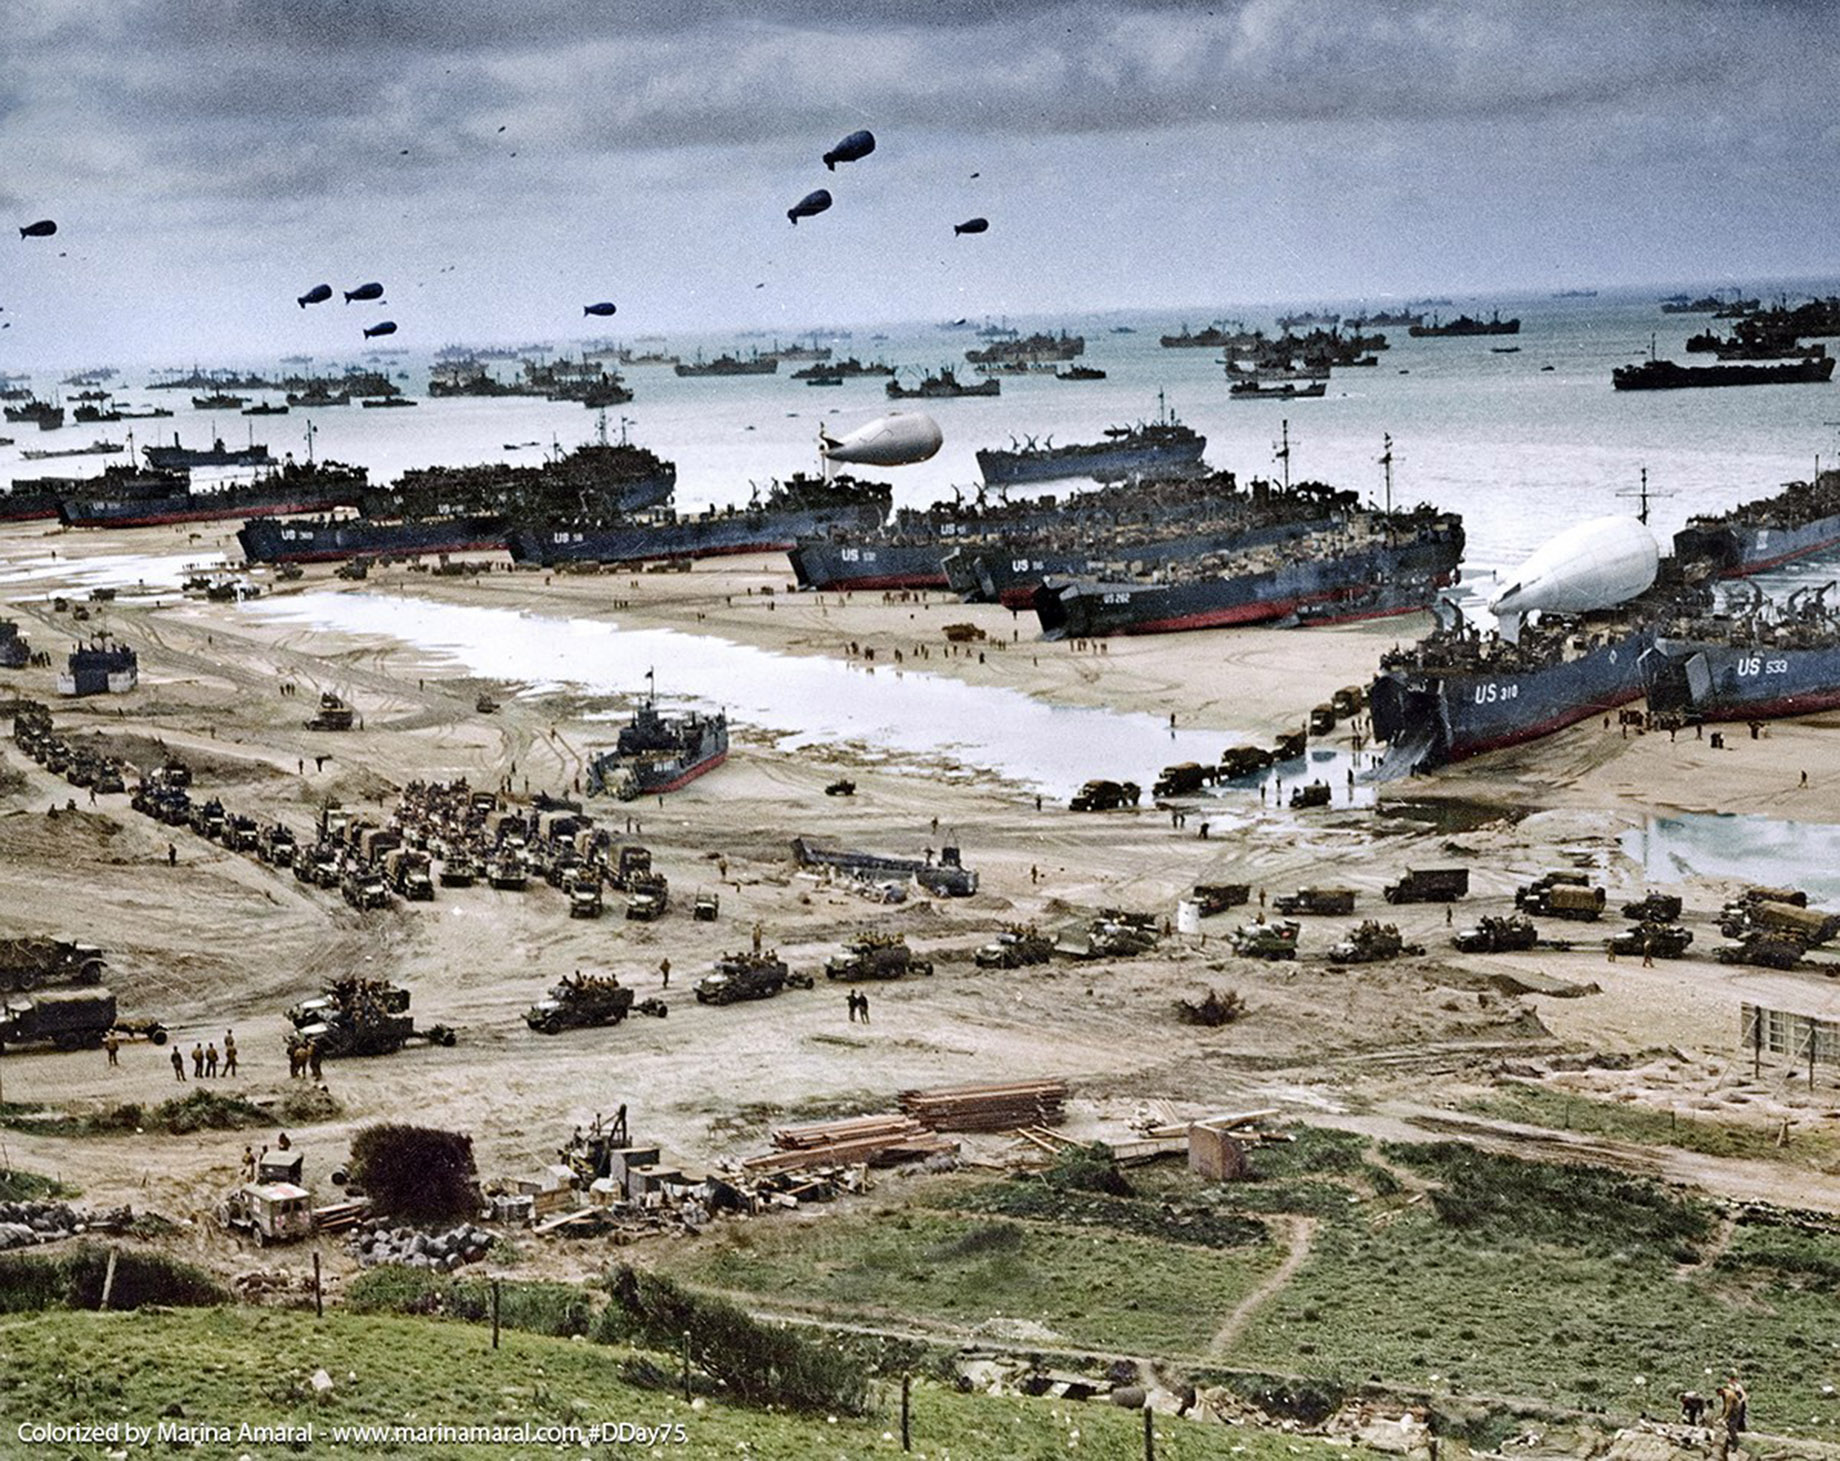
583,1000
1332,901
1771,951
1290,744
1656,940
1315,794
706,907
1219,897
584,893
364,888
875,956
508,871
1561,894
1654,908
269,1212
1349,700
71,1019
30,963
1106,796
355,1016
407,871
1494,935
633,862
1182,779
276,846
1241,761
1322,719
1807,926
748,976
648,896
1267,940
1018,944
1371,943
334,714
1429,885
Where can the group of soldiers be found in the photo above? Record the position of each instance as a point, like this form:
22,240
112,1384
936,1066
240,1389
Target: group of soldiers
1726,1412
206,1062
304,1060
859,1007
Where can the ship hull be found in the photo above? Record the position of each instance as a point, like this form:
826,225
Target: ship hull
1428,719
1736,550
1712,680
708,536
1369,583
1665,375
843,566
273,540
1007,468
80,512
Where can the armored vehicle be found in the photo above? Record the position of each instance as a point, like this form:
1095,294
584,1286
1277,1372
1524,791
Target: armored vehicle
1653,908
748,976
1335,901
875,956
1106,796
1498,936
1429,885
1018,944
360,1017
28,963
507,870
1371,943
458,869
582,1000
1267,940
334,714
1656,940
843,786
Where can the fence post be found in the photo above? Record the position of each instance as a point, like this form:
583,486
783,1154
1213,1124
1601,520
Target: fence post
319,1300
907,1443
108,1281
1149,1433
495,1288
686,1352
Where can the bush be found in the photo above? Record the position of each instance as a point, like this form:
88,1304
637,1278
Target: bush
756,1363
1088,1169
73,1280
16,1186
201,1111
416,1172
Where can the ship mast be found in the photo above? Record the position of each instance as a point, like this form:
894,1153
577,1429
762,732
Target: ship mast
1643,497
1282,451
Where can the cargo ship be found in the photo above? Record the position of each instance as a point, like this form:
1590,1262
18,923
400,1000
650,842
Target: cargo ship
1754,664
728,365
943,386
1215,336
799,507
657,753
1363,565
1803,518
125,498
181,458
599,478
1464,325
31,499
1665,375
1159,448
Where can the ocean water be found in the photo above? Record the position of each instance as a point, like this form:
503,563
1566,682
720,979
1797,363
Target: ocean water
1521,444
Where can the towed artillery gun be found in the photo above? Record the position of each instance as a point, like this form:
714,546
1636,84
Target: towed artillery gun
1493,935
584,1000
1017,945
753,975
360,1017
875,956
1372,943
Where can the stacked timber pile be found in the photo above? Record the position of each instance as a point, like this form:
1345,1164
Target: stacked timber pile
877,1140
988,1108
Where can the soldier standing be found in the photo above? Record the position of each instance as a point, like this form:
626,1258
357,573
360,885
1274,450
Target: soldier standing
313,1058
178,1065
210,1061
229,1052
112,1043
862,1007
197,1061
249,1164
850,1000
664,968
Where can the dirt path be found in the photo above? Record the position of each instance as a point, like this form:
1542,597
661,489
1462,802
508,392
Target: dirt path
1299,1232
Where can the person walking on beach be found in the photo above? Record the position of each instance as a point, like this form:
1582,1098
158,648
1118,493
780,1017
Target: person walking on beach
112,1043
664,968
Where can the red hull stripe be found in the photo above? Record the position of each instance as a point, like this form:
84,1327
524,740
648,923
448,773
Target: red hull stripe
1762,563
688,776
1540,728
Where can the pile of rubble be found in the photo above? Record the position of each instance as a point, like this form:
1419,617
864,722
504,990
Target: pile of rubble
23,1224
415,1249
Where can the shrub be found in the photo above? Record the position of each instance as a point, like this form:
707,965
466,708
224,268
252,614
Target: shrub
415,1172
202,1111
73,1280
1088,1169
758,1364
559,1310
17,1186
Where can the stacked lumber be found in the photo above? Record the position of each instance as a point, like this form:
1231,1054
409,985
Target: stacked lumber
877,1140
337,1217
988,1108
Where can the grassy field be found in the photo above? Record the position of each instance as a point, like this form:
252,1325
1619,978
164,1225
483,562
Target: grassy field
1085,1286
1645,1126
227,1367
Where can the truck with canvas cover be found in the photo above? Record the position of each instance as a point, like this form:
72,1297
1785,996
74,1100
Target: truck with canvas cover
1336,902
29,963
1429,885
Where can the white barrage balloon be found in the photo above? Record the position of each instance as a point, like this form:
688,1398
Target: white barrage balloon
898,439
1595,565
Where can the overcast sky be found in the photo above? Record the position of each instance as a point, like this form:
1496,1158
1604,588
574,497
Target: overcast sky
499,163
